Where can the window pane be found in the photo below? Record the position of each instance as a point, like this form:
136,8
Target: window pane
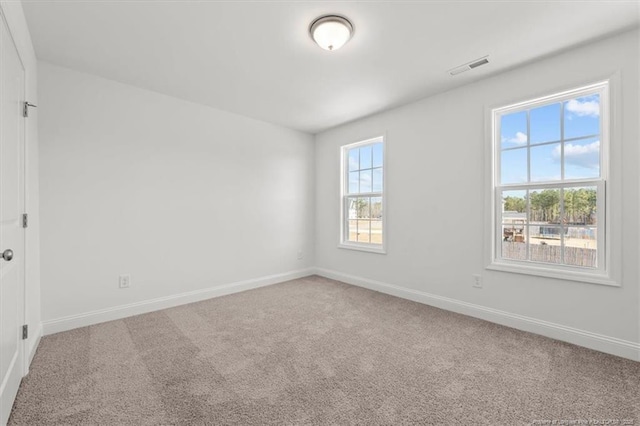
514,221
582,159
545,206
377,180
580,206
376,231
513,166
377,155
545,163
514,215
363,231
513,129
582,116
352,231
514,231
365,181
544,233
514,201
580,247
365,157
545,123
353,159
545,243
363,208
354,178
352,208
513,243
376,208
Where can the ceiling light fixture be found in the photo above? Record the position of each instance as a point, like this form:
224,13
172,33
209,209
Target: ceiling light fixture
331,32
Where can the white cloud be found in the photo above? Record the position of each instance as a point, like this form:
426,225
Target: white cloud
571,150
584,108
580,155
519,139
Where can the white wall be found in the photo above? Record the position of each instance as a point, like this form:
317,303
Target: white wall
18,27
436,176
181,196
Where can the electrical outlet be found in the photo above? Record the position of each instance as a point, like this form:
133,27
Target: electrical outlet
477,280
124,281
300,255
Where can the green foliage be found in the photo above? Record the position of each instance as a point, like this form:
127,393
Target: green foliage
515,204
545,205
579,206
362,206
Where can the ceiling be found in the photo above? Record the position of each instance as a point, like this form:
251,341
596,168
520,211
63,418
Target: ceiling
256,58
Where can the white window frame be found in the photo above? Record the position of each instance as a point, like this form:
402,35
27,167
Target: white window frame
601,274
344,195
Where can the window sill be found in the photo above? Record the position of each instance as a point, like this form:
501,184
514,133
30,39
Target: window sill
541,271
363,247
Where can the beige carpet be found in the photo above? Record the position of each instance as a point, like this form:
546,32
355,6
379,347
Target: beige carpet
316,351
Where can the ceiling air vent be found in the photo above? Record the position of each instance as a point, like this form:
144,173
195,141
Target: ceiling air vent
469,66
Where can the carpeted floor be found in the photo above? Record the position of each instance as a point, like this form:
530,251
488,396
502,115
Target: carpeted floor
317,351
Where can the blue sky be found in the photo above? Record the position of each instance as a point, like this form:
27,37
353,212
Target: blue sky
581,157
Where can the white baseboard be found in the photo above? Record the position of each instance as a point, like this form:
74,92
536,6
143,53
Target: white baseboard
610,345
118,312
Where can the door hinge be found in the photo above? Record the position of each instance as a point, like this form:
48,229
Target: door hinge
25,332
25,109
25,220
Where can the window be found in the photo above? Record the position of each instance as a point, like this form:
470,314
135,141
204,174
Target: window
550,175
362,205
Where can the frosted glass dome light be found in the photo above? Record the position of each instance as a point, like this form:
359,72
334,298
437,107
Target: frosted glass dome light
331,32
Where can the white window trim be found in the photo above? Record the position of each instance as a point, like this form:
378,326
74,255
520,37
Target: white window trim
342,241
607,275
